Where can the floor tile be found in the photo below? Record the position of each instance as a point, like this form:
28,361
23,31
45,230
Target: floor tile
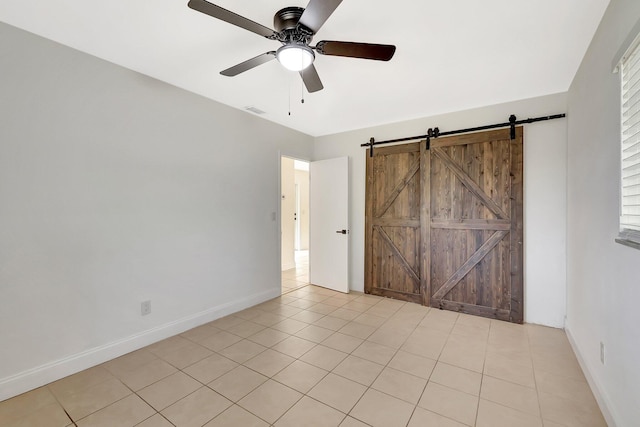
335,301
300,376
246,329
491,414
237,383
249,313
457,378
426,343
323,357
323,308
187,355
570,413
269,362
22,405
268,319
210,368
290,326
236,416
330,322
227,322
565,387
269,337
370,320
219,341
307,316
303,304
423,418
450,403
337,392
373,352
169,345
80,381
566,366
294,346
51,415
389,337
169,390
148,374
155,421
400,384
129,362
514,396
464,353
357,330
270,401
412,364
381,410
345,314
242,351
200,333
286,310
356,305
352,422
127,412
92,399
314,333
310,413
505,368
359,370
197,408
342,342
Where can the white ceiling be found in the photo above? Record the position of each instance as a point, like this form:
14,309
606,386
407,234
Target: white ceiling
451,54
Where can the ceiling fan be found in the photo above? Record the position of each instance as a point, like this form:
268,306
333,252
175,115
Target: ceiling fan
295,28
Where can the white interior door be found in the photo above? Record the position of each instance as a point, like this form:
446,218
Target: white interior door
329,224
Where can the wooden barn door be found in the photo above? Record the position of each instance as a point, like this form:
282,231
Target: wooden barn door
393,239
444,225
476,224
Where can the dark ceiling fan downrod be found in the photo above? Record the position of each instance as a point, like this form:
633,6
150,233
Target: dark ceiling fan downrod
435,132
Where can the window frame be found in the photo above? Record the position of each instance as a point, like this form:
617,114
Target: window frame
627,236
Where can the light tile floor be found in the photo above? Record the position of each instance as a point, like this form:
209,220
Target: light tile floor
314,357
298,277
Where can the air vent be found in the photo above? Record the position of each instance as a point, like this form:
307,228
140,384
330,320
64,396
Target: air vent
255,110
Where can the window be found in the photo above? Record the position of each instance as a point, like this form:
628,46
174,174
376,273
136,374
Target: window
630,146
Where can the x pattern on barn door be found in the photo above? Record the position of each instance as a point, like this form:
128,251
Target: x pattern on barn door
444,226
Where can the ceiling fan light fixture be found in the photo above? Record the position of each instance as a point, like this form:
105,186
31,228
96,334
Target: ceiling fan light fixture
295,57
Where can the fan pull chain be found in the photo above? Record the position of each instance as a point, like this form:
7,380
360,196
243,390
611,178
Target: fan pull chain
302,90
289,99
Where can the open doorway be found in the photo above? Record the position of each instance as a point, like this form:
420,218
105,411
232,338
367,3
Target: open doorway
294,217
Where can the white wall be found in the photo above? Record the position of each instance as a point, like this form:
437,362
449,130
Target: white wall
545,195
603,277
114,189
287,211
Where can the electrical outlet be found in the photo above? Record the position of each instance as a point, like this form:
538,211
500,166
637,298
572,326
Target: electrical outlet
602,352
145,308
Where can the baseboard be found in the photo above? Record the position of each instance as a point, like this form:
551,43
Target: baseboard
41,375
598,392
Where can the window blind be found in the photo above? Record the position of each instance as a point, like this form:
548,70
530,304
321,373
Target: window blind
630,191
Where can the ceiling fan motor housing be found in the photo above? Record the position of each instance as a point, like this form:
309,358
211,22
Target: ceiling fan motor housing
287,18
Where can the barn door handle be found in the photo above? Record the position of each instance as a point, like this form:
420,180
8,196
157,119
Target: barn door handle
341,231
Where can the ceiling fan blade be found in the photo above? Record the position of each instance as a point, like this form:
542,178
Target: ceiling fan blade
311,79
317,12
230,17
379,52
248,64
